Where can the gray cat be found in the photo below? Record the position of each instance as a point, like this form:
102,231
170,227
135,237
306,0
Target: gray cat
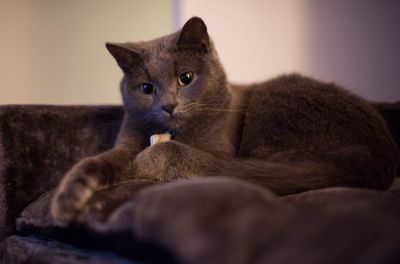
289,134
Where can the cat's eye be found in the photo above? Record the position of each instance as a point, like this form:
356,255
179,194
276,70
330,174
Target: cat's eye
146,88
185,78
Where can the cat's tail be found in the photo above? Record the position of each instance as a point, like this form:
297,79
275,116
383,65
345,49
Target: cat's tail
297,176
283,178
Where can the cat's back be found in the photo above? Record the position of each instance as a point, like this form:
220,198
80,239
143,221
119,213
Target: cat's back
313,119
305,107
295,93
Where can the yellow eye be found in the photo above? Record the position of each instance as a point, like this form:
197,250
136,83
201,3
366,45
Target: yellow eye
185,78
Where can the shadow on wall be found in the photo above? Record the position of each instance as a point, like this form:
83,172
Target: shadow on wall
356,44
353,43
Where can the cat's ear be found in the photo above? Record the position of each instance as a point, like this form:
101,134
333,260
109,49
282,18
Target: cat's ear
126,56
194,35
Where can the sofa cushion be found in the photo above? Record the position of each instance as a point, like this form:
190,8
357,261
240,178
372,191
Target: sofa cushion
20,249
39,143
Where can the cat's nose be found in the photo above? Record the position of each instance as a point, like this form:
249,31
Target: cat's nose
169,108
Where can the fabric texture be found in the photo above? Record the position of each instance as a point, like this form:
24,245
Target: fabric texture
209,220
38,144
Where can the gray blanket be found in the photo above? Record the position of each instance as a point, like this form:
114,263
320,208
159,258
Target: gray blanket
217,220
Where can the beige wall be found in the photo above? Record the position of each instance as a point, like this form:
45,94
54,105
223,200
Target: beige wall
256,39
354,43
52,51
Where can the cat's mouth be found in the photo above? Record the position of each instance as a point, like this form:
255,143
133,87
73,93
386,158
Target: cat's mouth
175,120
172,121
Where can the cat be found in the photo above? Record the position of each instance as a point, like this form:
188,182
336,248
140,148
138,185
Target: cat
289,134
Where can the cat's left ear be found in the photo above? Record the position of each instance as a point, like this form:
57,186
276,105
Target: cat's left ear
194,35
126,56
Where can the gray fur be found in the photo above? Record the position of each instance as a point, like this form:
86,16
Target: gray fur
289,134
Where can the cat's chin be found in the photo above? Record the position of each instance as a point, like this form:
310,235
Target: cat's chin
167,124
174,122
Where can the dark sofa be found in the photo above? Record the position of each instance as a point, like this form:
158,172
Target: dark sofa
201,221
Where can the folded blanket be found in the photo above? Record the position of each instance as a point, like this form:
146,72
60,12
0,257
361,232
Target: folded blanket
220,220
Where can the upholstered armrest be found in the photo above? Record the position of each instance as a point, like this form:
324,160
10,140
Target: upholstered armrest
391,114
38,144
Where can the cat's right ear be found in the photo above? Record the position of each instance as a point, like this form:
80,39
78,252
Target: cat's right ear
194,35
125,56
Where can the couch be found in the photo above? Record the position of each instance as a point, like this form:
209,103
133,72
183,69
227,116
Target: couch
210,220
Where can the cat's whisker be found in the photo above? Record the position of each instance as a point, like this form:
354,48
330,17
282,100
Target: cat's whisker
218,109
212,105
215,107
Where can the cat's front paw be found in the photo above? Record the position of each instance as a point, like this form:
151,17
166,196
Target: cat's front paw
70,198
164,161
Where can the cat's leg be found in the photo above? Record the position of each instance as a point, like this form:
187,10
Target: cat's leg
97,172
174,160
87,176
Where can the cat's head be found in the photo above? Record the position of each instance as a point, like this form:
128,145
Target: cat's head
173,80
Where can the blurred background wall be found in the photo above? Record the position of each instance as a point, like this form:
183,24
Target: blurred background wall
52,51
355,43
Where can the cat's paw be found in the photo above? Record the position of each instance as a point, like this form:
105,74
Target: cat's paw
70,198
